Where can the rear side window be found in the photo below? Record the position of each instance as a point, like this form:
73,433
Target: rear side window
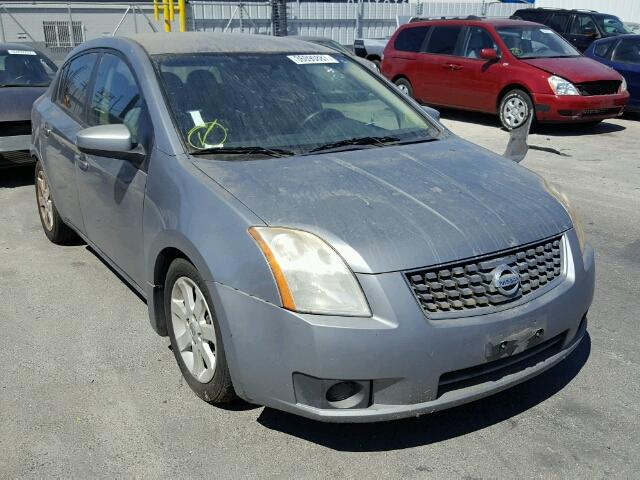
411,39
559,22
583,25
604,49
75,83
628,52
530,16
443,40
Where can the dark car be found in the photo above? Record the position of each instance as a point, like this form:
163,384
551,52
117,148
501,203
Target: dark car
580,27
24,75
623,54
509,67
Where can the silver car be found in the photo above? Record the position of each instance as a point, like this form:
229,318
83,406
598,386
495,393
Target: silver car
307,236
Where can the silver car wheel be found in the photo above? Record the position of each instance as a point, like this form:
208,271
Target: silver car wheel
45,204
515,112
193,329
403,88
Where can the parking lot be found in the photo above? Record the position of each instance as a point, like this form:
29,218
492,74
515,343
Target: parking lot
89,390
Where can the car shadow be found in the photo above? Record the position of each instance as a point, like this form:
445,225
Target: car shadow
12,177
116,273
435,427
550,129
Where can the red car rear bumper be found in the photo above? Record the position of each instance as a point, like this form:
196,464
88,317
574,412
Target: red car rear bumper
553,108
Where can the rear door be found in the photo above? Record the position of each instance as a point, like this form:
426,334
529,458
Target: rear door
60,125
407,59
583,31
112,190
475,83
560,23
440,60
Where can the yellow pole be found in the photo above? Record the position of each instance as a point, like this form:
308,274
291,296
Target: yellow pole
165,16
171,10
182,16
156,13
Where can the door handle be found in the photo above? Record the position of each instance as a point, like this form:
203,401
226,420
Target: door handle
447,65
46,129
81,162
455,66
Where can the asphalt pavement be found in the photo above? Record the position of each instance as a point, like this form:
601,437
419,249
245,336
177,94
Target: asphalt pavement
88,390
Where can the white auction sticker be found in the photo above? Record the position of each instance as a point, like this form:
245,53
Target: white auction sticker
21,52
311,59
196,116
546,30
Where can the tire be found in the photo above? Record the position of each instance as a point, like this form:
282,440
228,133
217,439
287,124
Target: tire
195,335
54,227
404,86
515,108
377,63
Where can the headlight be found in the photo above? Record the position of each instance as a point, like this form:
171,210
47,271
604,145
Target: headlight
623,85
575,218
310,275
560,86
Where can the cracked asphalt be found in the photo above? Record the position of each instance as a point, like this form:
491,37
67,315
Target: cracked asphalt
87,390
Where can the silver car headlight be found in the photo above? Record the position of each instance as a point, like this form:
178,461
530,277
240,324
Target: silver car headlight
560,86
575,217
310,275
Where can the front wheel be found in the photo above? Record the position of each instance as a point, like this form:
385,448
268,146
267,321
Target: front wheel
195,335
515,109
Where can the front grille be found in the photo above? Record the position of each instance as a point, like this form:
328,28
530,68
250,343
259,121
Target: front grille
602,87
10,129
497,369
600,111
468,286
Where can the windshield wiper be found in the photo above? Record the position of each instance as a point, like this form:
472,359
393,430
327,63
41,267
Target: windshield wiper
379,141
272,152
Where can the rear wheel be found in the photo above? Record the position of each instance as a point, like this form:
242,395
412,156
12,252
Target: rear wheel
515,109
195,336
54,227
404,86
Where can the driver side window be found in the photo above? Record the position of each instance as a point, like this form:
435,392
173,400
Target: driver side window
116,97
478,39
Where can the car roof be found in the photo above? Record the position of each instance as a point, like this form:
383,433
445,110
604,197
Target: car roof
204,42
496,22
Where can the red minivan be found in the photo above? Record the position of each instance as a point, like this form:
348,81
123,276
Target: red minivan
508,67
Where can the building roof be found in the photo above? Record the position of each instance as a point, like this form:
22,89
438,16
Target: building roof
201,42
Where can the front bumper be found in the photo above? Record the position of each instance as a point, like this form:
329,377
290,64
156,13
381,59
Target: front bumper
553,108
400,355
14,150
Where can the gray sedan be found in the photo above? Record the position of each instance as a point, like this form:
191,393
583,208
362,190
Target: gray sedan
24,75
307,236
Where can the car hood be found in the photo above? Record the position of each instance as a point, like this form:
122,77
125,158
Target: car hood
16,102
576,70
397,208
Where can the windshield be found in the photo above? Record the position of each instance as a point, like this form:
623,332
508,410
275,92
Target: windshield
286,103
535,42
611,24
25,68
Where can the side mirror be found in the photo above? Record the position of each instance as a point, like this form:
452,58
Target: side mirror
112,141
489,54
432,112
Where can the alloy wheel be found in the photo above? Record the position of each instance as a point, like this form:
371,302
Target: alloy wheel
515,112
45,204
403,88
193,329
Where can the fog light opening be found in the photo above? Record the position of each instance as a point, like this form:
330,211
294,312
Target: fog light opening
345,394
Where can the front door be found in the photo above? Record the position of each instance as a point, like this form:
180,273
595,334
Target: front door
112,190
583,31
475,82
626,60
62,121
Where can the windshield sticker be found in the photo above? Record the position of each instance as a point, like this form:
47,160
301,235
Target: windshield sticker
546,30
21,52
311,59
196,116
